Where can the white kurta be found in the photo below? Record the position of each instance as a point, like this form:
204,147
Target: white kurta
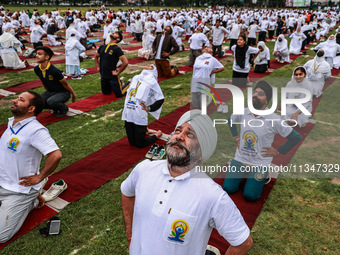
296,42
318,70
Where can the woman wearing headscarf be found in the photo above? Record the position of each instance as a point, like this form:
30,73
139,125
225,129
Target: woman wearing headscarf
73,48
330,48
262,60
318,70
241,64
147,41
281,51
296,41
144,95
299,80
8,53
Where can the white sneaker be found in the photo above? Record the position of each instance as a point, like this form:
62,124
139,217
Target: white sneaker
43,183
55,190
122,80
220,108
225,109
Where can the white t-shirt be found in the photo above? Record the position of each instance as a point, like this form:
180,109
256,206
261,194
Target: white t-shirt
21,150
236,67
203,67
198,40
218,34
36,33
253,139
177,215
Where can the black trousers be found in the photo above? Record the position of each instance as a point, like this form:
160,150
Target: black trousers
139,36
278,31
35,45
262,36
233,42
217,50
239,79
114,85
137,135
261,68
271,34
251,41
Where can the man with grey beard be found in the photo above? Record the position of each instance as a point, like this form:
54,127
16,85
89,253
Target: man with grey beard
171,208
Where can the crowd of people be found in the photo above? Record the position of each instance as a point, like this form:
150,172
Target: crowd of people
194,140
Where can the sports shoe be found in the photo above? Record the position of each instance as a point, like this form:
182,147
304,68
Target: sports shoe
160,153
220,108
63,114
43,183
55,190
122,80
54,112
76,77
152,151
211,250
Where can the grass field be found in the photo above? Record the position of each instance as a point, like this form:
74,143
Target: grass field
301,216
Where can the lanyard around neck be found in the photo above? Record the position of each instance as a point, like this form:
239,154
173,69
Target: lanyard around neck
15,133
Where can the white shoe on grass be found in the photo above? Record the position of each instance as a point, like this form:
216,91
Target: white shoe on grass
55,190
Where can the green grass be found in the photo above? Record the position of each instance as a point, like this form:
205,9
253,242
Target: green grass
301,216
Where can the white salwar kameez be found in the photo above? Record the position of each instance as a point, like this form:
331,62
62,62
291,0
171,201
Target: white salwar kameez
72,50
318,70
296,42
147,41
8,54
282,48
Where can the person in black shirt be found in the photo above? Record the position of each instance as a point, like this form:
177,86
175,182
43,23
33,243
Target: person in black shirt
57,89
52,28
106,60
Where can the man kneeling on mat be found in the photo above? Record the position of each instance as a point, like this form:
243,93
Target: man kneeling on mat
144,95
254,151
21,148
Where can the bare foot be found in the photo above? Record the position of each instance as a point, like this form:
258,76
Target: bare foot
159,134
41,200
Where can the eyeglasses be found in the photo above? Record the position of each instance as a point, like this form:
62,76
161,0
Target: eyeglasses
260,93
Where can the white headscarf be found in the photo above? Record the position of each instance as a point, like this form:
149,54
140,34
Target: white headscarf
281,45
294,84
262,54
70,43
204,129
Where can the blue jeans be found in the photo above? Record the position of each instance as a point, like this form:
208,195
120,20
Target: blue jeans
55,100
254,184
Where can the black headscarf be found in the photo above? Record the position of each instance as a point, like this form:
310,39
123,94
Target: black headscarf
240,55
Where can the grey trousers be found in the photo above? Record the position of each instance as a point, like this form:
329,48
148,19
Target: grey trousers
193,55
14,209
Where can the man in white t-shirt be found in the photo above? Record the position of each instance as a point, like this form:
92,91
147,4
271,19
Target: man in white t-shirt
218,34
254,151
170,208
197,43
21,148
204,71
37,33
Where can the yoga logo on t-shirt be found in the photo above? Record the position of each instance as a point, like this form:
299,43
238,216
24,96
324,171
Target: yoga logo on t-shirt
13,144
249,140
179,229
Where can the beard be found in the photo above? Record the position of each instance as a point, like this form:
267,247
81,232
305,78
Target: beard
257,103
18,111
181,157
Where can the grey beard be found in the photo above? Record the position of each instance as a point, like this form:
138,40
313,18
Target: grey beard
184,158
